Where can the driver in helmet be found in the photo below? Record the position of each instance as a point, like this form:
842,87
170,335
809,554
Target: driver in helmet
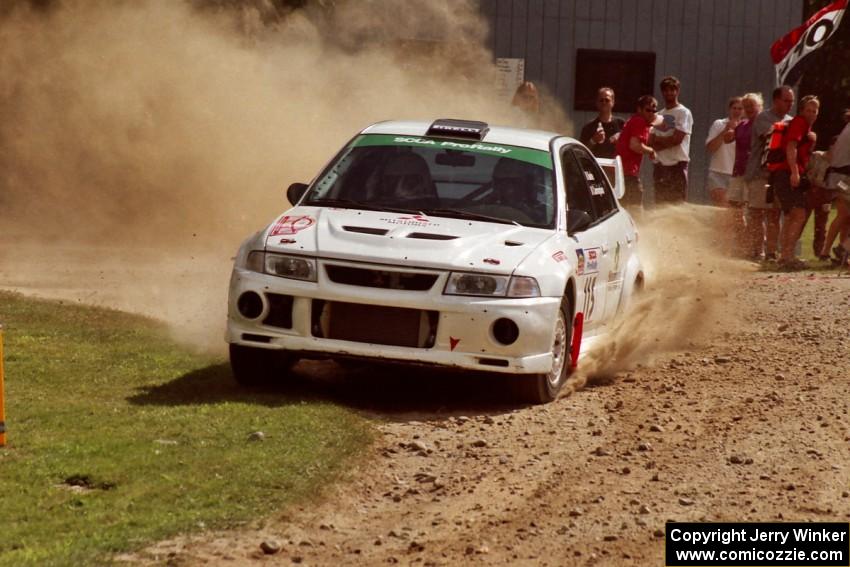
515,185
407,177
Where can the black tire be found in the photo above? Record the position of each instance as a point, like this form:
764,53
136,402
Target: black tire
544,388
257,367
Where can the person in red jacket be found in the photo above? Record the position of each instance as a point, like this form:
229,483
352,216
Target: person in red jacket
788,180
632,145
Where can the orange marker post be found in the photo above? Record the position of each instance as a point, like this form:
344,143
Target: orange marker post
2,400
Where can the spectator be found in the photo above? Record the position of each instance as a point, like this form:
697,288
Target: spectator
763,224
527,100
819,198
737,193
671,140
789,182
632,145
601,133
838,175
720,144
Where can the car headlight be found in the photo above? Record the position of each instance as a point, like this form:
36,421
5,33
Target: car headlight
523,286
283,265
491,286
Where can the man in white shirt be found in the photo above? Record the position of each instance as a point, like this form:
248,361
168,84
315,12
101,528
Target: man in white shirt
671,141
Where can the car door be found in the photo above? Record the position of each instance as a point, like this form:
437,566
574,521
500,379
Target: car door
592,264
615,246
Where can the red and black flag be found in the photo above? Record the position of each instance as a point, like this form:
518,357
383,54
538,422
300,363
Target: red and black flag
789,51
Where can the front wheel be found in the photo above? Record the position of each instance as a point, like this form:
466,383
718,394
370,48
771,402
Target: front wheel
256,367
544,388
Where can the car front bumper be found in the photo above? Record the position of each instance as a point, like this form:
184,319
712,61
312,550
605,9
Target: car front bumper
457,331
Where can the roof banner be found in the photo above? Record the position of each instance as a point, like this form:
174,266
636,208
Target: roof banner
789,51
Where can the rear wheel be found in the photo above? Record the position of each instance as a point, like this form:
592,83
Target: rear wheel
255,367
543,388
628,300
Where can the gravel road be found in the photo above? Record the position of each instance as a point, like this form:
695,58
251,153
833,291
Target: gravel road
723,396
747,424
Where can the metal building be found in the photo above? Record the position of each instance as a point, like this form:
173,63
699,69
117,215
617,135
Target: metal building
717,48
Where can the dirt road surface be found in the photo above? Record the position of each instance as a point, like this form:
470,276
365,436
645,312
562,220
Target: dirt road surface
731,405
752,425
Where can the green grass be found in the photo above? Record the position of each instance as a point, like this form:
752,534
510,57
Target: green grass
806,251
158,433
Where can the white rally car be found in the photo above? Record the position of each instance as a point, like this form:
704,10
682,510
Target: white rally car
452,244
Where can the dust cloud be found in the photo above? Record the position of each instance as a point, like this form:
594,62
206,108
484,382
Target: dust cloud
140,141
688,278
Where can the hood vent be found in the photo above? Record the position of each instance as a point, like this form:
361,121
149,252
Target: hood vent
366,230
431,236
513,243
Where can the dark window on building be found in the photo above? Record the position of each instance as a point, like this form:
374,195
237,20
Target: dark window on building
630,73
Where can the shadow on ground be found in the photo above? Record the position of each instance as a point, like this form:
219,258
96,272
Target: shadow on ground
394,392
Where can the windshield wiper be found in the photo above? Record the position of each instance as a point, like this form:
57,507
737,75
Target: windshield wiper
352,204
452,213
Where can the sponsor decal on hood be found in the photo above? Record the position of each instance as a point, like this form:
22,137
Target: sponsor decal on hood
291,224
410,220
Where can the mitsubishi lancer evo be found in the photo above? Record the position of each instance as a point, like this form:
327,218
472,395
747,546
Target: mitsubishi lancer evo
452,244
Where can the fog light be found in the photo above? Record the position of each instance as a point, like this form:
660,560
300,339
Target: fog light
505,331
250,305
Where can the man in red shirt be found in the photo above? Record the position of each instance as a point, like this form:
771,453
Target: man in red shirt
788,179
632,145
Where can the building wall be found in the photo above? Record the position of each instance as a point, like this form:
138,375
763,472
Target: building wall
717,48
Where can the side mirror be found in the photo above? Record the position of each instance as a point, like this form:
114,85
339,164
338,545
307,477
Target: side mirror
577,221
295,192
613,169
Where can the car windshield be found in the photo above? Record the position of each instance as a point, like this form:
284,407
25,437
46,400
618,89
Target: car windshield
452,178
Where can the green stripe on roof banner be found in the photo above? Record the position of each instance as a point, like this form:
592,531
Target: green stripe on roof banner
529,155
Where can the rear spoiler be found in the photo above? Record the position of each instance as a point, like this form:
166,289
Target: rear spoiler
613,168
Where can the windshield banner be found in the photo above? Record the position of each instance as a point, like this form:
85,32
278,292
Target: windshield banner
529,155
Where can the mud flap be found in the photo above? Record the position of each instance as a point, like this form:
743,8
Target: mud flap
575,347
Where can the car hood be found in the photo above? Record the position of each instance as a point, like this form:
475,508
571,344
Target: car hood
403,239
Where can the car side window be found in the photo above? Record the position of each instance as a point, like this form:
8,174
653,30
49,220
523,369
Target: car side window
601,195
578,192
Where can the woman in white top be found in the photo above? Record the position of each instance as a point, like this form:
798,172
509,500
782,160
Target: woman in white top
720,144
